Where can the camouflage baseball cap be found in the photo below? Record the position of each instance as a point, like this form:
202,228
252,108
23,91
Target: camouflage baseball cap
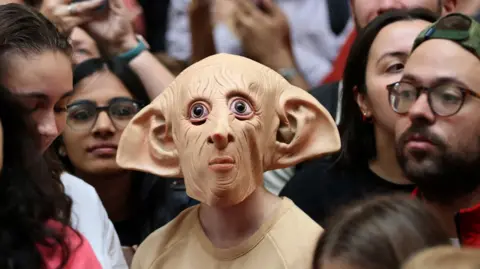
456,27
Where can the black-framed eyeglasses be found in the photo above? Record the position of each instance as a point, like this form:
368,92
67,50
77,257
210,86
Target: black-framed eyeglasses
444,100
82,115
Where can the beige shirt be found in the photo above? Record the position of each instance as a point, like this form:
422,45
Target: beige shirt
287,240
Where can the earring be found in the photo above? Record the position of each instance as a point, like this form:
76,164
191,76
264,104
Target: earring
355,90
366,119
62,152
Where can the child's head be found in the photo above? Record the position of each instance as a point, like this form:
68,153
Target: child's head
445,257
380,233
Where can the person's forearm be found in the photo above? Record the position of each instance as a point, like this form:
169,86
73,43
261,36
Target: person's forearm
201,30
202,43
284,60
153,75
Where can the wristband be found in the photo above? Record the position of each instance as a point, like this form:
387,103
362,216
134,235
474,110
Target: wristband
133,53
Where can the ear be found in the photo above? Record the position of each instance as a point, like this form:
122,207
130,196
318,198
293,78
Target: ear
363,103
449,6
147,143
306,130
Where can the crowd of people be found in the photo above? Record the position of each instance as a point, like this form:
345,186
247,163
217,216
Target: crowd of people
239,134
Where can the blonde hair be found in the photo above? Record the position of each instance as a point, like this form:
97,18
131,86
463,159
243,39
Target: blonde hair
445,257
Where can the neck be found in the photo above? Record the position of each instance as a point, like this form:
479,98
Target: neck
228,227
386,165
446,213
114,191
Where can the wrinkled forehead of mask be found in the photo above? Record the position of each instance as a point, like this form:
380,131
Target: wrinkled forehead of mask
290,121
218,75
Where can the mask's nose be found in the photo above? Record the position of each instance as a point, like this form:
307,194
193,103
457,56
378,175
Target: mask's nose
222,134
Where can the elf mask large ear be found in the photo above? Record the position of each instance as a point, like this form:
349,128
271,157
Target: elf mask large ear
306,130
147,143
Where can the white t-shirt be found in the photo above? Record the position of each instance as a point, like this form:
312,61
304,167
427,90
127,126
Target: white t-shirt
91,220
455,242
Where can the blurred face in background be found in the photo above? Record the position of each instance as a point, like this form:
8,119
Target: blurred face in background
365,11
84,46
386,60
441,153
43,81
92,134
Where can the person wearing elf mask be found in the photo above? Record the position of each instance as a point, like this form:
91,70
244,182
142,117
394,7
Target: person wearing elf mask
220,125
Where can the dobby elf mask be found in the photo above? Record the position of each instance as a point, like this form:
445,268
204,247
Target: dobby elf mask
223,122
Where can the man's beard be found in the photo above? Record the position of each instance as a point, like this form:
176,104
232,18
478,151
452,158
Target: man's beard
445,175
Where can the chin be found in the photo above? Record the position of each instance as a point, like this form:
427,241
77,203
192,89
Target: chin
103,168
420,169
229,197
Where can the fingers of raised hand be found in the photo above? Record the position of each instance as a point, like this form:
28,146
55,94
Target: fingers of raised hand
78,8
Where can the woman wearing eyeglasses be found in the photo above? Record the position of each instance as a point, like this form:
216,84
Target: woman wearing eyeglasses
97,114
367,163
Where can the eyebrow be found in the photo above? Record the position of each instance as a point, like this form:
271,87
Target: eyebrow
43,97
437,81
397,54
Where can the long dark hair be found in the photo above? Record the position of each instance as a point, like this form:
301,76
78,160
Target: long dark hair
25,31
380,233
33,193
29,198
358,137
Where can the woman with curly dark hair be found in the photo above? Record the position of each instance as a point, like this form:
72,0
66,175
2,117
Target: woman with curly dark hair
34,210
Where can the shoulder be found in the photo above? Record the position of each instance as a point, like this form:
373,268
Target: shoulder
166,238
90,218
309,176
82,256
318,186
296,223
85,200
81,253
295,236
76,187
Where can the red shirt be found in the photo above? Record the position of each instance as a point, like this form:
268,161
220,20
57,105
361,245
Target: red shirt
81,253
467,222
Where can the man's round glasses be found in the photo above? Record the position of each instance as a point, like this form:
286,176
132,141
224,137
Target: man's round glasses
444,100
82,115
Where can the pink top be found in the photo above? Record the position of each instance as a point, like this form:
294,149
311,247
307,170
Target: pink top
81,253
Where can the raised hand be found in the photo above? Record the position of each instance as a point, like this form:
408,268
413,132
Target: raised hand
113,30
67,15
264,32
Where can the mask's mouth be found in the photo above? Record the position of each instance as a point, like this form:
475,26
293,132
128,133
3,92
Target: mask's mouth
221,160
221,164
